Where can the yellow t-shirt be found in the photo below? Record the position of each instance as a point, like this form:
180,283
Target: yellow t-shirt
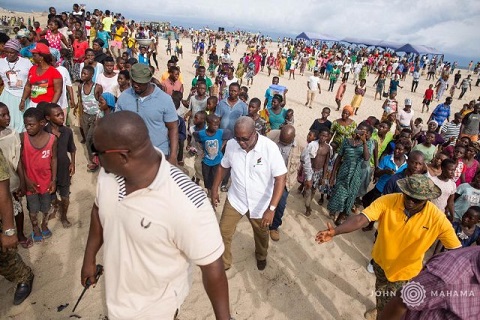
107,24
118,36
401,242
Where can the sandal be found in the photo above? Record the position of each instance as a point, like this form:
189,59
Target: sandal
46,233
37,239
27,243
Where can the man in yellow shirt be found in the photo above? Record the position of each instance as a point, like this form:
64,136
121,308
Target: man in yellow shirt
408,225
107,22
118,39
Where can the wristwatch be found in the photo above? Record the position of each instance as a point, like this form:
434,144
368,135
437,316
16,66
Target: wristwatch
10,232
272,208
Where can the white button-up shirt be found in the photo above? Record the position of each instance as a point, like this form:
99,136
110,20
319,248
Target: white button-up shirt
253,175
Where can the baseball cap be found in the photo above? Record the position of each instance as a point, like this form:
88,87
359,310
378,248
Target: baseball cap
40,48
140,73
408,102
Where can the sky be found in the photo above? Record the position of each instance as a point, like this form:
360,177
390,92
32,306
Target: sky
449,26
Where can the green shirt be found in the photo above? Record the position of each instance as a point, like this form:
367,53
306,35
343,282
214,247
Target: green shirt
208,81
334,74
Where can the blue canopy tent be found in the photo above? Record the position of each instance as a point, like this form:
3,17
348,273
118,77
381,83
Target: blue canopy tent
417,49
310,36
366,42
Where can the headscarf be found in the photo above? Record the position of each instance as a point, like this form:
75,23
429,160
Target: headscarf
13,44
349,109
110,99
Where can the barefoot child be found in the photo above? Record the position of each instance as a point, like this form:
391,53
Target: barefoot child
65,164
39,159
10,146
319,164
311,136
88,96
212,102
195,148
427,97
213,140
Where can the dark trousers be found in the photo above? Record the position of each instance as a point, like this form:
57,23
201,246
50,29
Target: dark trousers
345,75
181,144
332,83
279,211
414,85
464,90
208,173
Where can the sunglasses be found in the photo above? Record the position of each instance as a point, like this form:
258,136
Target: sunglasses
243,139
97,153
416,201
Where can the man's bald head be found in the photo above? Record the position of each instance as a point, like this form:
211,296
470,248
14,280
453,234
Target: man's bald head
245,123
287,134
121,130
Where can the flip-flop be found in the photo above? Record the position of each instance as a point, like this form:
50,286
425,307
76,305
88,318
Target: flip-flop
27,243
46,234
37,239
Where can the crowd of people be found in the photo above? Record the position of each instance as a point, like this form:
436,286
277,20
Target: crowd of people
138,129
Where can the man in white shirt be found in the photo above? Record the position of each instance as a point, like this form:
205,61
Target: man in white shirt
155,224
313,84
258,180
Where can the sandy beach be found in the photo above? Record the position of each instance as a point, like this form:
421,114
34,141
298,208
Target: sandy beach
303,280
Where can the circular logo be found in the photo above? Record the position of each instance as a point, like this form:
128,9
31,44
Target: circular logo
413,294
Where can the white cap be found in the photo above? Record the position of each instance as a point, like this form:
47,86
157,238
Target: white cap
408,102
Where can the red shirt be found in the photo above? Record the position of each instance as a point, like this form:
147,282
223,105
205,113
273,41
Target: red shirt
79,50
429,94
42,85
37,163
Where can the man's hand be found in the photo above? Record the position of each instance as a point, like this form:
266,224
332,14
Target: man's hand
88,272
215,197
9,242
31,186
172,159
325,235
52,187
71,169
267,218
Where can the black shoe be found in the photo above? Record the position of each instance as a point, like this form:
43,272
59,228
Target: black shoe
261,264
23,291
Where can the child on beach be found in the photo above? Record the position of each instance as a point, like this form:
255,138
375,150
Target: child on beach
417,126
323,121
311,136
427,97
467,195
39,160
177,97
143,56
211,105
250,72
326,189
316,169
467,230
240,71
289,117
260,124
427,147
198,102
213,140
444,181
195,148
88,96
65,164
80,45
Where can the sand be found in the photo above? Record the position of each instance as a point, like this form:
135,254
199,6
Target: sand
303,280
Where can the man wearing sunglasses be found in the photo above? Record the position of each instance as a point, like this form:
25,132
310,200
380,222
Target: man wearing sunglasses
155,224
408,225
258,181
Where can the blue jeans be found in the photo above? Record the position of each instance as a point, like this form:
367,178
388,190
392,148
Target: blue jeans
282,204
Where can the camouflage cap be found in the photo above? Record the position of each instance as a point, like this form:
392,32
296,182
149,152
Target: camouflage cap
419,186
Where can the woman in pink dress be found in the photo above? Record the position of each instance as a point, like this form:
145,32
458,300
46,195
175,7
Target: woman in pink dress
257,59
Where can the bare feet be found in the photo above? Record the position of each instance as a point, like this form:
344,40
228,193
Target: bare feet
65,223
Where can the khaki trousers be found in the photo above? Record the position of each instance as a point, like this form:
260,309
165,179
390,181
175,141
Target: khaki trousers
228,225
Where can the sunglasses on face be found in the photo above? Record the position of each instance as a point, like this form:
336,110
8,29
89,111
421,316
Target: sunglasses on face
416,201
97,153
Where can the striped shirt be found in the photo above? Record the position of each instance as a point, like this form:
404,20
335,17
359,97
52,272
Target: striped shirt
451,129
